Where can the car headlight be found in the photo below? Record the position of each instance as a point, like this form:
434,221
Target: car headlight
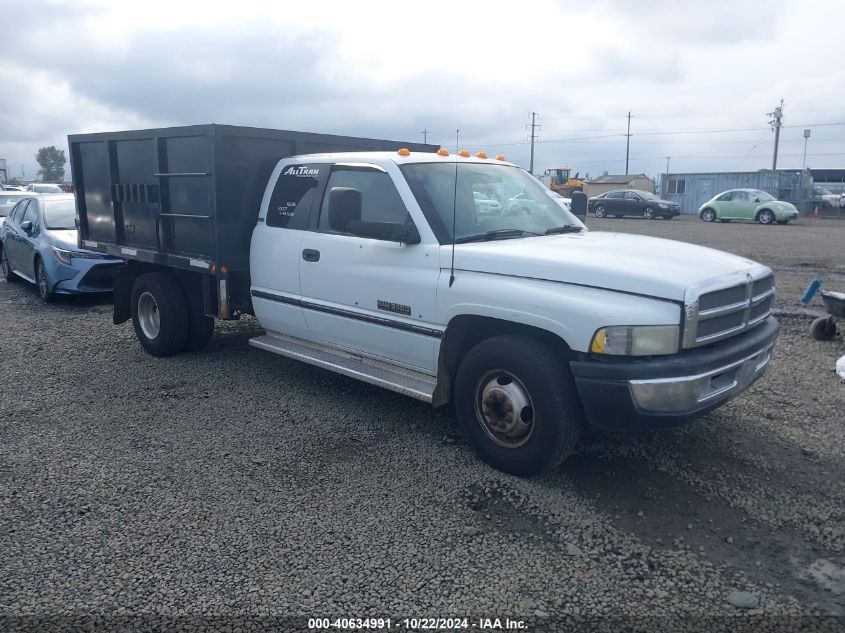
636,340
663,205
62,255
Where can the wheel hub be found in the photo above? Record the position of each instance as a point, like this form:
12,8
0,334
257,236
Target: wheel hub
148,315
504,409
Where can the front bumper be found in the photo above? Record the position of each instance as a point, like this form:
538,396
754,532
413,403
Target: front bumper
84,276
635,394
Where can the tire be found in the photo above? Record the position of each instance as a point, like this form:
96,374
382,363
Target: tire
200,326
648,213
708,215
823,329
600,211
160,314
513,369
765,217
42,282
8,275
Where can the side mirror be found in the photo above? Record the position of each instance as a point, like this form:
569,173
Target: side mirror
26,227
756,199
389,231
344,207
579,204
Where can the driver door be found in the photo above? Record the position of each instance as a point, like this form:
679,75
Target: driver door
741,205
369,295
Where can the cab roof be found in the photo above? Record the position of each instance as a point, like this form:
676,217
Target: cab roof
397,158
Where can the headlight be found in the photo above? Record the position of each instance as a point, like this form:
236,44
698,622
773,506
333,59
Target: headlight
636,340
663,205
62,255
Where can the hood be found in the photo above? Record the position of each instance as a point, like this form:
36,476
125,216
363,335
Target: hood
616,261
64,238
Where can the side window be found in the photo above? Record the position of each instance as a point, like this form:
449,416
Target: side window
725,197
293,195
31,213
614,195
739,196
682,185
17,211
630,195
380,201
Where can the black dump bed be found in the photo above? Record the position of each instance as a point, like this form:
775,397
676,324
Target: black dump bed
186,197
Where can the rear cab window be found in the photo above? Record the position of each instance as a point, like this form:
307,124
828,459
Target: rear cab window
293,195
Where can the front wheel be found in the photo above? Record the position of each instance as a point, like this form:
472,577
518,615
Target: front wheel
648,213
159,314
517,404
42,282
708,215
765,217
600,211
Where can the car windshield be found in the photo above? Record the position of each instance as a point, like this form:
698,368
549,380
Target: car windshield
60,214
764,197
647,196
7,202
526,208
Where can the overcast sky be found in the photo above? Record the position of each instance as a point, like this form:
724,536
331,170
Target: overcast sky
698,77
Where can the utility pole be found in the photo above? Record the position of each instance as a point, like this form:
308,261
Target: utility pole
627,142
777,115
425,136
458,140
667,165
533,125
804,163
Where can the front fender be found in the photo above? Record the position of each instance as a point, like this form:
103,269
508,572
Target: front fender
571,312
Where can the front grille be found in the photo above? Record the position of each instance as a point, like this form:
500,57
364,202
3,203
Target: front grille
99,278
733,306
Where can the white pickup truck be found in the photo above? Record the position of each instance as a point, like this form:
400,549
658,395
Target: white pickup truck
382,266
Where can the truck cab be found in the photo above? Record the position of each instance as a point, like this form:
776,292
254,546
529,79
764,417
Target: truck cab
382,266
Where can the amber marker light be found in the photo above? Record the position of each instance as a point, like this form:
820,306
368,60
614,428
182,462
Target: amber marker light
500,157
404,151
481,155
463,153
442,152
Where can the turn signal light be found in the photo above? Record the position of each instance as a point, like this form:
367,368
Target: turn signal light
224,270
481,154
404,151
442,152
500,157
463,153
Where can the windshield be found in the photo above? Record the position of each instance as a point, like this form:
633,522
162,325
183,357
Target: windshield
764,197
647,196
524,205
7,202
60,214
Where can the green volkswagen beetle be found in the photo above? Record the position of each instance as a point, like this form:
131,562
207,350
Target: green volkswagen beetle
747,204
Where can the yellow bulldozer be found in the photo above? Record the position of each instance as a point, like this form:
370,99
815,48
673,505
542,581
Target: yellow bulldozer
560,180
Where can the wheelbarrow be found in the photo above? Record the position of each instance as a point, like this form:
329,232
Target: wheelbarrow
824,328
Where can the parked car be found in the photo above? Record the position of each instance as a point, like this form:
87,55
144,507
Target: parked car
632,202
825,197
523,203
566,203
8,199
485,204
13,188
747,204
38,242
44,187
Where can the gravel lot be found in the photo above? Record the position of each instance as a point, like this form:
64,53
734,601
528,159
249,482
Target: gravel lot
233,487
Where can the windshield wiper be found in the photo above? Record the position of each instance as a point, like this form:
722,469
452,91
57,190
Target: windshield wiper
494,235
566,228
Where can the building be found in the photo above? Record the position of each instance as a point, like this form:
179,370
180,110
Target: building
603,184
694,189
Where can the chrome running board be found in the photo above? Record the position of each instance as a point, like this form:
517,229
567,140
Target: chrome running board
375,372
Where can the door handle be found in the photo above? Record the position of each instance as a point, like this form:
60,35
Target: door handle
310,255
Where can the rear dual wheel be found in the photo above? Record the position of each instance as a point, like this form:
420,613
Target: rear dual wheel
167,316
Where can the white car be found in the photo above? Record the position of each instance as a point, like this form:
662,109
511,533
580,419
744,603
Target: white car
485,204
566,203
